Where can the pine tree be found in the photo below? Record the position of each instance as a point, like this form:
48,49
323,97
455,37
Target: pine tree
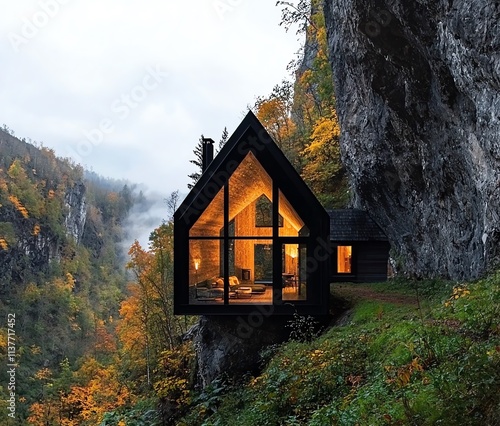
198,162
198,153
223,139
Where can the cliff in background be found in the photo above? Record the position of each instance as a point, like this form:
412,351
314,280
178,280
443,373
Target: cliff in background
417,86
42,205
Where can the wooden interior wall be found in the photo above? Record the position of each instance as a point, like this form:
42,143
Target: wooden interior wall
244,249
207,252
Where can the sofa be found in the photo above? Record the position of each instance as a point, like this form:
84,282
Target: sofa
214,287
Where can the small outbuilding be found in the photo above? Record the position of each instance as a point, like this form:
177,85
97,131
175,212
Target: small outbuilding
251,237
360,249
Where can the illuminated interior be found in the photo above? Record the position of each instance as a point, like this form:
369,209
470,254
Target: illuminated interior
232,258
344,259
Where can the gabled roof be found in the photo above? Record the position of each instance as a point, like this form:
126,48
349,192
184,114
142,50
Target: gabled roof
250,135
354,225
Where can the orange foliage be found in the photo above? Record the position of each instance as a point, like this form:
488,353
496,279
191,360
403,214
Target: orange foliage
105,341
274,114
99,391
3,244
131,328
36,230
19,206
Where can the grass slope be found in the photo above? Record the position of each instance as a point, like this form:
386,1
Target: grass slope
424,353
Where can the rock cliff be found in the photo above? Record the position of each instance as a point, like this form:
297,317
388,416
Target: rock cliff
417,85
30,241
76,211
228,347
32,253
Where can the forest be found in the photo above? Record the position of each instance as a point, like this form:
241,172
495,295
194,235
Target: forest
96,339
89,327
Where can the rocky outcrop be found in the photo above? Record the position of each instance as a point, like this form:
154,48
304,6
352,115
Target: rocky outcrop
29,243
76,208
33,252
418,98
228,347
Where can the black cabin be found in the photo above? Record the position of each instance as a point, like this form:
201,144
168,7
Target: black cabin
251,237
360,249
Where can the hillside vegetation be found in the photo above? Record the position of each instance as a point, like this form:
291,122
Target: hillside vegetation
62,283
435,361
97,343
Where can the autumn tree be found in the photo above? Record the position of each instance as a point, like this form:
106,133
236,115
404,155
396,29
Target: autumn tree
80,398
323,170
315,130
172,203
148,325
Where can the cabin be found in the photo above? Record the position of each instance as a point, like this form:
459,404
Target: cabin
250,236
360,249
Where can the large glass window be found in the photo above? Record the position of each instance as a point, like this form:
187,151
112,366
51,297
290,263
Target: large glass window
253,264
205,283
232,243
344,259
293,225
211,221
264,213
294,275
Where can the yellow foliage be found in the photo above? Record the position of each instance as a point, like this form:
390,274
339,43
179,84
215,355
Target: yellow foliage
3,339
44,413
70,281
19,206
130,329
98,392
3,244
32,293
175,372
35,350
323,155
105,341
36,230
458,292
43,374
3,186
273,114
402,376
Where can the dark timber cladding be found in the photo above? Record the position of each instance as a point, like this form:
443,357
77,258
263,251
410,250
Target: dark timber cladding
358,242
251,236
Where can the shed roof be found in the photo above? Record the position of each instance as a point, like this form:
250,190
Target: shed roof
354,225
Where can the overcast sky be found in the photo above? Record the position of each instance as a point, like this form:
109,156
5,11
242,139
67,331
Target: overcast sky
126,87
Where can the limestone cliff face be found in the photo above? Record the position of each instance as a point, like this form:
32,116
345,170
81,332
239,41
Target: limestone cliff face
76,211
26,252
418,98
34,253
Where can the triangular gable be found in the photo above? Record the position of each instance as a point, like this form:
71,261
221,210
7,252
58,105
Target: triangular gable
250,135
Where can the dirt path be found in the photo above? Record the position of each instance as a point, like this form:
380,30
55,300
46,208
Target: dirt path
367,292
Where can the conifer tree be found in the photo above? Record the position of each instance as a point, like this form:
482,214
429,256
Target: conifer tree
198,153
